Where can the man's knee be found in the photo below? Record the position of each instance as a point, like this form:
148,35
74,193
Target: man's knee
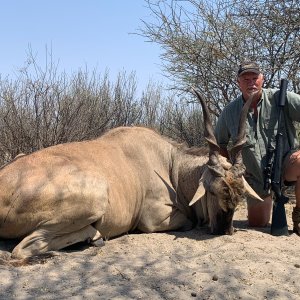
291,166
259,213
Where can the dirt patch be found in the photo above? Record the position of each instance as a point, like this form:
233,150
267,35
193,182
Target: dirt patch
251,264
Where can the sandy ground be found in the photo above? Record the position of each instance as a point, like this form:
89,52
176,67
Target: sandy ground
251,264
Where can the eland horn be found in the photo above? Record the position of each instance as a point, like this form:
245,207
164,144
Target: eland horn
214,148
236,150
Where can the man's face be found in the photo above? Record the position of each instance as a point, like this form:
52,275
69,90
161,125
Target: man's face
250,83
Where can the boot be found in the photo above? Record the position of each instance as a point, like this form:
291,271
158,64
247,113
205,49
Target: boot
296,220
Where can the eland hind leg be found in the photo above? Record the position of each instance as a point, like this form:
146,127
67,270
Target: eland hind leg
43,240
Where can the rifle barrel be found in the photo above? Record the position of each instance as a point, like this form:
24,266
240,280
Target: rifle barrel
282,92
279,223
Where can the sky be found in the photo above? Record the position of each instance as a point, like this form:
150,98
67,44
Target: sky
79,34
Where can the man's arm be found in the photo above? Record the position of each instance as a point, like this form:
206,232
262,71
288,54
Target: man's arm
293,106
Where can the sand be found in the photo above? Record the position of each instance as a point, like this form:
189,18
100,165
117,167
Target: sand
251,264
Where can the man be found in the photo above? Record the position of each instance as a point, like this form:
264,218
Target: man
261,130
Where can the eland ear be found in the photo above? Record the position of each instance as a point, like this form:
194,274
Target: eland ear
250,190
200,190
199,193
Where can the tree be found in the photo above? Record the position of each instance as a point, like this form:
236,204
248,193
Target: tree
41,108
204,41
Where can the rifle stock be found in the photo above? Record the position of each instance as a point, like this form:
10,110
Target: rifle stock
279,223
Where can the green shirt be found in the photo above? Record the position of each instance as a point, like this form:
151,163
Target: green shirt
259,132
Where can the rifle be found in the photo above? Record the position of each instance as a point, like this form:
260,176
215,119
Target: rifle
279,224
